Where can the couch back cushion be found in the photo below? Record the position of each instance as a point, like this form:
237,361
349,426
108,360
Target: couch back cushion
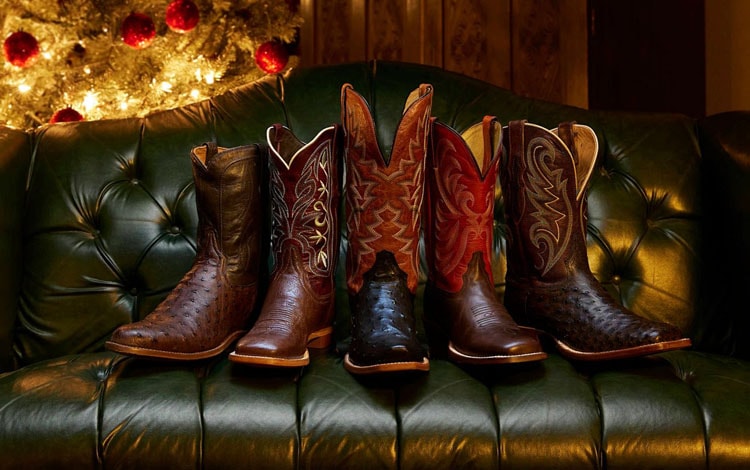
111,220
15,155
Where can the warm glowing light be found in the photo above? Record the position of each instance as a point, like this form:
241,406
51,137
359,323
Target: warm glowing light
47,55
195,93
24,88
166,87
90,101
87,70
210,77
124,105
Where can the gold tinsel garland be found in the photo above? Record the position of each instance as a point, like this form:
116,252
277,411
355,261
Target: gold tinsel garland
84,64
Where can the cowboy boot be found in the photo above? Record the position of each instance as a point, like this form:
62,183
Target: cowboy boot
213,303
549,283
384,205
460,298
299,307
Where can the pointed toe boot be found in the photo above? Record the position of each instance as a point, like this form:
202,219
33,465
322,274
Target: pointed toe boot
214,302
298,310
384,204
550,286
460,300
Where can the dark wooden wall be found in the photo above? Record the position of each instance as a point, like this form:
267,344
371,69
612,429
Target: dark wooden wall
537,48
648,55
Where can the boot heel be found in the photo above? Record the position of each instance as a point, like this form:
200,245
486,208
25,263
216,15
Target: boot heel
320,339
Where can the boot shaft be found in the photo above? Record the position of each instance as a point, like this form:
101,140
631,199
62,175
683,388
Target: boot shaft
544,178
304,189
228,198
384,197
460,193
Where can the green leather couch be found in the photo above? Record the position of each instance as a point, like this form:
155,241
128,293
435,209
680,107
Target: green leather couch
97,224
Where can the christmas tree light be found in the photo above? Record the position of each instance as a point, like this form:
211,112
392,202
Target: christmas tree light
95,59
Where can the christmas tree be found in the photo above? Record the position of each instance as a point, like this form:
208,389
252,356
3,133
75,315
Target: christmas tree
93,59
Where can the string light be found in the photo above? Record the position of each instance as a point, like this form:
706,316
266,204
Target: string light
90,101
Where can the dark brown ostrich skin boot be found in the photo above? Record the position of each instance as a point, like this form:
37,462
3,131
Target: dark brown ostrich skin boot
214,302
384,210
550,286
298,309
460,299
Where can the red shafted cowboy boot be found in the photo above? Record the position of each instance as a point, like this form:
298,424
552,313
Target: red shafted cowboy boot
460,294
549,283
213,303
384,205
299,307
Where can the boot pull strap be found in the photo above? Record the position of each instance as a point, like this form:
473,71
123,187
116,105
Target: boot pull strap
212,148
492,141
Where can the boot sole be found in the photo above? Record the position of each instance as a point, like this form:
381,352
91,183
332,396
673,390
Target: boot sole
353,368
462,358
625,353
137,351
320,339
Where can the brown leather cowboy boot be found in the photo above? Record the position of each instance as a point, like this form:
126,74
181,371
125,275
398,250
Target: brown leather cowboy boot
384,205
460,294
299,307
549,283
213,303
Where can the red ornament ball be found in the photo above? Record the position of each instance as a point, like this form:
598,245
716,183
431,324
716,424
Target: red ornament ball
66,115
271,56
138,30
182,15
21,48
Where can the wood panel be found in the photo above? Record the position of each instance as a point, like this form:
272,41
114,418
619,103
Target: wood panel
535,47
333,31
660,68
550,50
386,28
477,39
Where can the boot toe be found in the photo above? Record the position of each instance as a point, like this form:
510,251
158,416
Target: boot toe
131,335
134,340
520,348
266,349
259,347
523,345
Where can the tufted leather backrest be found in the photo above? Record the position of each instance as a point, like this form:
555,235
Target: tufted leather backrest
110,220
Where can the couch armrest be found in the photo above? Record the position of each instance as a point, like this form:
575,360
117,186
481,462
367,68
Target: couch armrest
725,145
15,155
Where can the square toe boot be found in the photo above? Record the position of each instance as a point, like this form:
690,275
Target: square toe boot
384,204
461,305
214,302
550,286
298,309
